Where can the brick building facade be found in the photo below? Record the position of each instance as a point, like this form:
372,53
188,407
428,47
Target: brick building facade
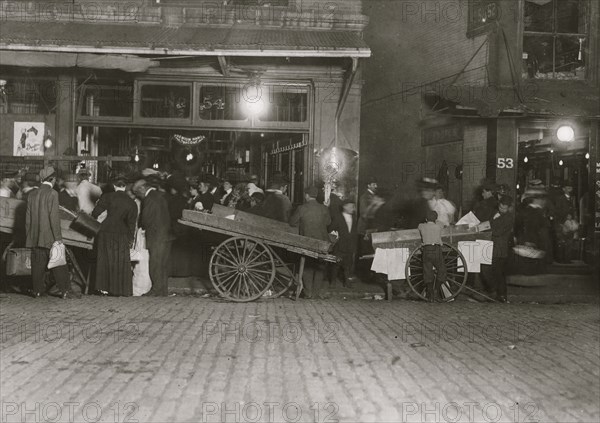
482,85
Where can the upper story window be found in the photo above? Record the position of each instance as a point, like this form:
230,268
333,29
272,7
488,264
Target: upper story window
555,39
165,100
109,99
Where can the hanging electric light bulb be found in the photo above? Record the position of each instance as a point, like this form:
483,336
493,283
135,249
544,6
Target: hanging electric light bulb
137,156
560,163
189,157
518,186
580,55
155,165
587,156
48,140
551,151
525,160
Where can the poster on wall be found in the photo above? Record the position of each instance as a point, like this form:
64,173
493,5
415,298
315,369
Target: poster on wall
29,139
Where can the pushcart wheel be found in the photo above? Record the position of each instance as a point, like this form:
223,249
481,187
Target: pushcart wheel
284,279
456,273
242,269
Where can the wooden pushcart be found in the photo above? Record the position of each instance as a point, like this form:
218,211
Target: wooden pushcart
248,264
12,221
457,266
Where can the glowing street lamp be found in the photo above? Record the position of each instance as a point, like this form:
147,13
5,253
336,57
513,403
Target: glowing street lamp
565,133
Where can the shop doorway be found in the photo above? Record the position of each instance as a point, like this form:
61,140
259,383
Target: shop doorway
553,165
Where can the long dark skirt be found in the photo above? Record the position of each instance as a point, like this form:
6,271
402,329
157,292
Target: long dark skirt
113,269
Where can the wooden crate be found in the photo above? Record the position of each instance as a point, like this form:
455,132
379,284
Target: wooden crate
11,212
411,238
252,219
12,218
269,235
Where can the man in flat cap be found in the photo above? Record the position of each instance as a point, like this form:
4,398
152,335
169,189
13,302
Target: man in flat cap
312,220
42,225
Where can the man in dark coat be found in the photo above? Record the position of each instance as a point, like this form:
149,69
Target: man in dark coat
312,220
156,221
502,234
486,208
42,222
364,203
276,204
345,224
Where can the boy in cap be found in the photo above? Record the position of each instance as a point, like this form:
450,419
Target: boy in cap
502,229
431,234
42,225
312,220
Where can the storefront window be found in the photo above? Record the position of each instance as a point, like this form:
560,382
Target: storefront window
221,102
28,96
107,101
555,39
165,101
266,103
285,104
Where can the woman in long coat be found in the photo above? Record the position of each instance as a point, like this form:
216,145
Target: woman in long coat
116,236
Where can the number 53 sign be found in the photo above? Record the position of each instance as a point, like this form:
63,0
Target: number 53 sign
505,163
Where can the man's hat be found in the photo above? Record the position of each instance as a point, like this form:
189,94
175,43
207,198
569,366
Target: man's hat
46,172
489,186
506,200
312,191
371,180
210,179
427,183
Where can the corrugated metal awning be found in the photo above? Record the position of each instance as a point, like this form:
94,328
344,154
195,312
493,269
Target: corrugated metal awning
151,39
41,59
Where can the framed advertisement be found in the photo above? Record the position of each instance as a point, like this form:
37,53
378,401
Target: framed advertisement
28,138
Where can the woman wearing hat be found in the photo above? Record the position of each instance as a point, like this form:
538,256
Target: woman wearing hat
115,239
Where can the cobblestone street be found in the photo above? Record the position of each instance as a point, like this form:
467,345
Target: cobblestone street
184,359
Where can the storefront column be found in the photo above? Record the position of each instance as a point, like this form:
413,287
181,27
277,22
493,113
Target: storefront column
506,160
65,100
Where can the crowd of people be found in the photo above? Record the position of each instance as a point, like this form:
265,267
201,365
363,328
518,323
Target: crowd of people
155,202
544,226
529,231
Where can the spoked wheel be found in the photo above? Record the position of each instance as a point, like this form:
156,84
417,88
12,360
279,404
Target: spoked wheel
456,273
284,279
242,269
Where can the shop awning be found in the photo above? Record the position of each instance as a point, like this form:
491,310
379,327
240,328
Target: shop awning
574,99
153,39
39,59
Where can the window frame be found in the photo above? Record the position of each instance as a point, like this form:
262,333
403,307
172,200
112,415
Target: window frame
555,35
